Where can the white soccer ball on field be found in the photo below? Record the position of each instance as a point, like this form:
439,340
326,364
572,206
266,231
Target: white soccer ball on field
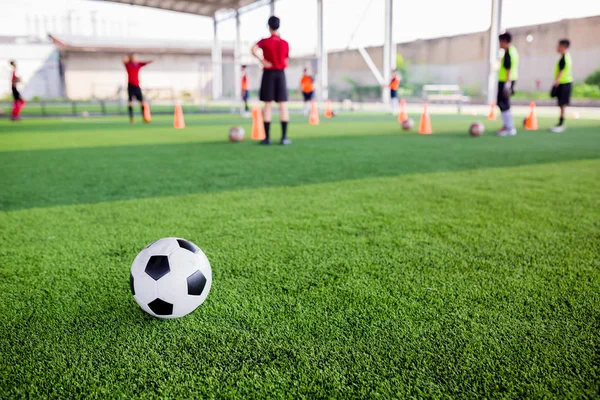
236,134
170,278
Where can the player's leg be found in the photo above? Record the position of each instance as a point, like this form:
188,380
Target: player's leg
130,94
394,100
510,127
306,98
267,95
16,104
564,99
140,97
281,97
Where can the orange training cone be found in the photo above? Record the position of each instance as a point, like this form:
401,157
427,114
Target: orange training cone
425,124
531,122
313,118
328,110
492,114
147,115
258,127
178,121
402,115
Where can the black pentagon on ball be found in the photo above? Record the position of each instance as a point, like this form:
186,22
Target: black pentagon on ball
131,284
161,307
184,244
157,267
196,283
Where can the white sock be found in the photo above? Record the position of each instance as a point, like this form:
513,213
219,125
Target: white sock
506,119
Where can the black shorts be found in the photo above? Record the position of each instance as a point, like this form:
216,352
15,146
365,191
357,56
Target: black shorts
563,94
16,94
134,91
308,96
393,93
273,86
503,99
245,95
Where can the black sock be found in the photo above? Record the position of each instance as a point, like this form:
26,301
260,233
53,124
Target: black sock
284,129
267,127
142,108
130,111
561,121
246,106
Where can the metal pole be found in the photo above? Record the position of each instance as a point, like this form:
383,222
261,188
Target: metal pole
493,50
217,82
237,61
272,7
387,51
322,83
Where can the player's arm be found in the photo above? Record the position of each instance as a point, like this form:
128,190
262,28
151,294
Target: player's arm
260,58
144,63
561,68
508,66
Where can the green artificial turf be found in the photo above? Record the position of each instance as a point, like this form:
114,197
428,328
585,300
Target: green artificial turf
359,262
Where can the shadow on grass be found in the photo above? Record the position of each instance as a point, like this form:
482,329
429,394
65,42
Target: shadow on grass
89,175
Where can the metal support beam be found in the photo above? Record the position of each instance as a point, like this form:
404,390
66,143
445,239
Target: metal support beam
237,61
217,64
272,7
495,24
387,51
322,85
371,65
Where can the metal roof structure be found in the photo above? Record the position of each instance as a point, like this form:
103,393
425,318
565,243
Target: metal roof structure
207,8
110,45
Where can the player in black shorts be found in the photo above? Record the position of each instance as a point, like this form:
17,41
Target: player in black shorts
563,82
18,101
133,66
273,86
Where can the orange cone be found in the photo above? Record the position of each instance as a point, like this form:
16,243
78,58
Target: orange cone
313,118
531,122
147,115
492,114
258,127
402,115
328,110
425,124
178,121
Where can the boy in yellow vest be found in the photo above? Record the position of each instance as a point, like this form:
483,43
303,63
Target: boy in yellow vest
507,78
563,81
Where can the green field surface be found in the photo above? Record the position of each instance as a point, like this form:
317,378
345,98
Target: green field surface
359,262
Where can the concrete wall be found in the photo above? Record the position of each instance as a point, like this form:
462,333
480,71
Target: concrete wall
463,59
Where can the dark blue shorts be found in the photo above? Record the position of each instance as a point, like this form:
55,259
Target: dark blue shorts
393,93
245,95
308,96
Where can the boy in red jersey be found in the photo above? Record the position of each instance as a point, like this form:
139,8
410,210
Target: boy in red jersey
18,101
273,86
245,88
133,66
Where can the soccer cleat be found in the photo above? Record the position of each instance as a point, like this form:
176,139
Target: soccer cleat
558,129
265,142
131,121
286,141
507,132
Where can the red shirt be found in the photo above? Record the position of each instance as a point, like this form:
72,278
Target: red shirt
133,72
276,51
245,85
14,80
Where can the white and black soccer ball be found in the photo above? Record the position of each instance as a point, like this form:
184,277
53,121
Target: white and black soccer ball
170,278
476,129
408,124
236,134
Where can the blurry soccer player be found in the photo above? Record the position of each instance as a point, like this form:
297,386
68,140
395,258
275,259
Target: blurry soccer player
18,101
394,85
563,81
133,66
273,86
245,88
307,87
507,78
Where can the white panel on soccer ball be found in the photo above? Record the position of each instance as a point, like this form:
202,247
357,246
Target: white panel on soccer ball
172,287
145,289
183,262
164,246
140,262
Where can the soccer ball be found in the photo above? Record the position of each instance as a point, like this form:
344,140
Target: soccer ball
170,278
476,129
85,114
408,124
236,134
